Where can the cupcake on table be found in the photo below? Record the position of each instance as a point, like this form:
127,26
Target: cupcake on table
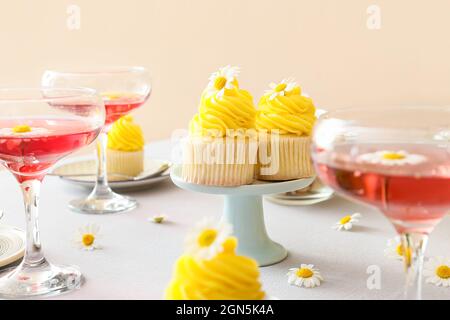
221,149
210,269
283,110
125,150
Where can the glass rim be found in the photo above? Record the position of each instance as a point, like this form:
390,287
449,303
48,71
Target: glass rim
30,94
99,71
382,109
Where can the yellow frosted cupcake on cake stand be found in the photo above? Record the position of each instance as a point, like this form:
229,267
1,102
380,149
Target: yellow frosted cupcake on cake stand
284,113
210,269
220,149
125,151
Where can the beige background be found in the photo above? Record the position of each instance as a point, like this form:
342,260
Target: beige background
324,44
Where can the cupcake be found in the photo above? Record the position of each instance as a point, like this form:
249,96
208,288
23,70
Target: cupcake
125,152
286,114
221,149
210,269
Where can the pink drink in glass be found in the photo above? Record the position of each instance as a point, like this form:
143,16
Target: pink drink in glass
415,197
29,154
123,89
118,105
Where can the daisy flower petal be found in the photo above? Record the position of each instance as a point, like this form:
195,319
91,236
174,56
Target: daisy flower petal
437,271
207,238
87,237
391,158
305,276
394,249
347,222
224,78
281,88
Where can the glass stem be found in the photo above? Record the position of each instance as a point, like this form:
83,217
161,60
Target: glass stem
414,245
33,252
101,187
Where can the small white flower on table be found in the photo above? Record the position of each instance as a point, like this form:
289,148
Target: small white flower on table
280,89
395,249
87,237
392,158
223,79
437,271
347,222
305,276
207,238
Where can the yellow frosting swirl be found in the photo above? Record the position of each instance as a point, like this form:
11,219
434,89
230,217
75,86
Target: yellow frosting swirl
125,135
234,109
227,276
291,113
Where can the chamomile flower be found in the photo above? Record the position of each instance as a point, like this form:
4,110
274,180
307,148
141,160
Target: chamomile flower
158,218
395,249
280,89
23,130
347,222
392,158
87,237
223,79
437,271
206,240
305,276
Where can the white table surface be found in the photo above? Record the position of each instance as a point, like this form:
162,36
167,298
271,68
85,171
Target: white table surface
137,257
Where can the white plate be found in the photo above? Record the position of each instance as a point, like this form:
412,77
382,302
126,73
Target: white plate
12,245
83,166
317,193
297,202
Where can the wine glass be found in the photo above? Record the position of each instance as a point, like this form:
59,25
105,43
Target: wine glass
38,127
123,89
396,159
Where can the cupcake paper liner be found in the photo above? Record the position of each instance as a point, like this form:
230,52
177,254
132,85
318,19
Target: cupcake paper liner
293,160
219,161
125,162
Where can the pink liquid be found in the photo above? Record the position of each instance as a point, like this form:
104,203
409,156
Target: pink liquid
121,105
414,197
29,154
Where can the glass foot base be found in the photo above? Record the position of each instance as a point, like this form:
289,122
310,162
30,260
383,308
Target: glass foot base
113,203
39,281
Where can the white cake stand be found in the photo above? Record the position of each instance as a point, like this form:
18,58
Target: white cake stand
243,208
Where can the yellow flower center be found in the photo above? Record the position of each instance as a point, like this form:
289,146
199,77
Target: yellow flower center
207,237
280,87
305,273
393,156
220,82
345,220
21,128
399,250
443,272
88,239
229,245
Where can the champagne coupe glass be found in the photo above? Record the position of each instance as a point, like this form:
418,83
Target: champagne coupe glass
38,127
396,159
123,89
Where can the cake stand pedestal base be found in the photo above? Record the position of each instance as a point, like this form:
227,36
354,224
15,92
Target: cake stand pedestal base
243,209
246,215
